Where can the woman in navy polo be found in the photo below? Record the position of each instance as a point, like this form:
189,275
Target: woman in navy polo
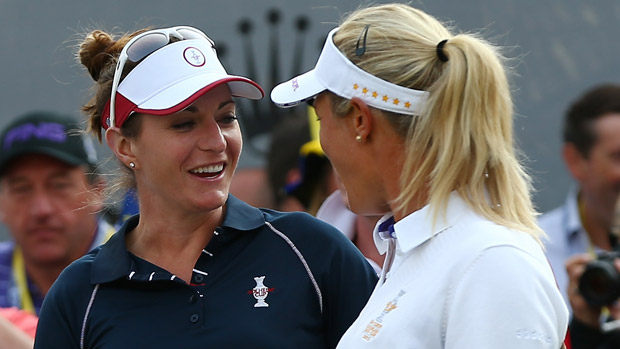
198,267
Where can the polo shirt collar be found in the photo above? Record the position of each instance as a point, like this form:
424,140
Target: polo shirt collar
241,216
113,261
416,228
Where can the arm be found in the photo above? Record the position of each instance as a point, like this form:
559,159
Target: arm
505,299
12,337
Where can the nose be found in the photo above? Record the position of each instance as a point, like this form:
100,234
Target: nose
212,138
41,205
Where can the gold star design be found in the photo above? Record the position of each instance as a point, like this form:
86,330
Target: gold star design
375,94
365,90
355,86
385,98
396,101
407,105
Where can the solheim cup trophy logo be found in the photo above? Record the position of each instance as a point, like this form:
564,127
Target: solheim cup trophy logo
260,292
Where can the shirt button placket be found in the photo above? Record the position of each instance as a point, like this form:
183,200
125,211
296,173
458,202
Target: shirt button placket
194,318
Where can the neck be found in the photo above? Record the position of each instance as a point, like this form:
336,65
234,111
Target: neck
173,243
363,239
390,154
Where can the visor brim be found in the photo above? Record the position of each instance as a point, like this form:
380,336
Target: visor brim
297,90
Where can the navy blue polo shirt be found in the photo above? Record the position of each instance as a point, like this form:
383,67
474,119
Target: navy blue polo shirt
266,279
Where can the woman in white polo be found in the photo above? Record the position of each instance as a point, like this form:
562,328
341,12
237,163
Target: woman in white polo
417,122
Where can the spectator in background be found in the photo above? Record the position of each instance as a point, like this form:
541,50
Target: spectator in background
582,226
283,156
310,180
50,200
314,180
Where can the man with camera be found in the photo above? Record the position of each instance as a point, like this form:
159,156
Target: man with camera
583,228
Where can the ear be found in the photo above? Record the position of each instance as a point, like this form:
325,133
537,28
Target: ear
576,163
362,118
120,145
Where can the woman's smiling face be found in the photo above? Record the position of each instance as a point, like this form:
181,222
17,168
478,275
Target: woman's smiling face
187,159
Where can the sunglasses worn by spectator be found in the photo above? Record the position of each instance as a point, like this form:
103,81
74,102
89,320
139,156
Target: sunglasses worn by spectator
143,45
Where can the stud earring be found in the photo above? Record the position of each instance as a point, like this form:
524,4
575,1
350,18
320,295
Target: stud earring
132,165
358,138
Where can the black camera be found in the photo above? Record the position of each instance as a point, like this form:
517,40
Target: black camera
600,282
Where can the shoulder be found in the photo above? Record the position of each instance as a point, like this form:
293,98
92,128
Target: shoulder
299,225
484,251
504,273
66,302
499,253
320,243
482,235
75,278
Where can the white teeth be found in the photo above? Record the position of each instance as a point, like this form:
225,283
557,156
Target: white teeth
208,169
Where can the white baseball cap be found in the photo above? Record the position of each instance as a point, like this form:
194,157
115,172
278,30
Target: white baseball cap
336,73
173,77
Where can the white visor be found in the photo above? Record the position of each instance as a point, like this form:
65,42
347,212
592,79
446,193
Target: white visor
173,77
336,73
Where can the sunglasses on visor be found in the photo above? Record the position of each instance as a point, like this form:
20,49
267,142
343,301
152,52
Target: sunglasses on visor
143,45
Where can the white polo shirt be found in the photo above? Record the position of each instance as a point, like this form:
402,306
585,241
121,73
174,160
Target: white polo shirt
474,284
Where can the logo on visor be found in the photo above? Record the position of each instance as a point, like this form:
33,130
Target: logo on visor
295,84
194,57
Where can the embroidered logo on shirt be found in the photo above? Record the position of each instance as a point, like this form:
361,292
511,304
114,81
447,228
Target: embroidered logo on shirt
533,335
374,326
260,292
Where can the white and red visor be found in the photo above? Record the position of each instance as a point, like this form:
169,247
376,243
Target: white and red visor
173,77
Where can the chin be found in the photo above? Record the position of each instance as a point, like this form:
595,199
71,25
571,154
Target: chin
51,256
213,200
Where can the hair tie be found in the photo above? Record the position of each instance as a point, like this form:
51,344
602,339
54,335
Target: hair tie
442,56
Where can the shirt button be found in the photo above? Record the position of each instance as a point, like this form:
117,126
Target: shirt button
193,298
198,278
194,318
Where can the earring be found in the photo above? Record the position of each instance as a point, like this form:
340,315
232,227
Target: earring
358,138
132,165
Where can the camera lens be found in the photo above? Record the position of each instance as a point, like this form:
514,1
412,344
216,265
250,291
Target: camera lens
600,283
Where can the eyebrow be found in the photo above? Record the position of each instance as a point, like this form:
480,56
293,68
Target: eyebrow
60,174
193,109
